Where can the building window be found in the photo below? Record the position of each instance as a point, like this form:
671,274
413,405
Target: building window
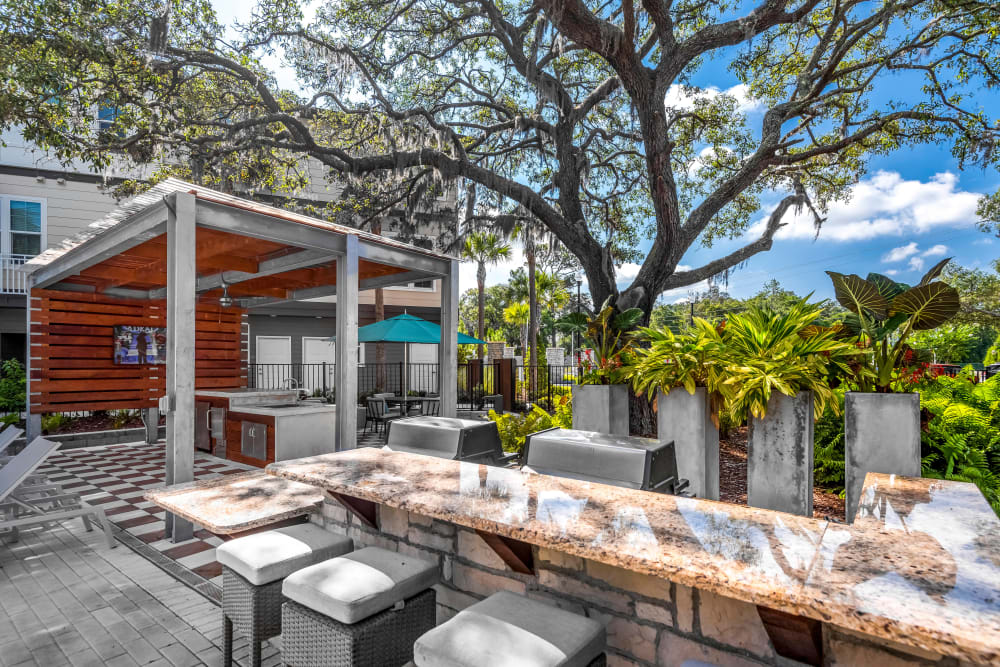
106,116
22,224
417,286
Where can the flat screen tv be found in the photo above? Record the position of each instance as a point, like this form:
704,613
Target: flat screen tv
140,345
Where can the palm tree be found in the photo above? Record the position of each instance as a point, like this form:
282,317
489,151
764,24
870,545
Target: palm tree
552,294
517,314
486,249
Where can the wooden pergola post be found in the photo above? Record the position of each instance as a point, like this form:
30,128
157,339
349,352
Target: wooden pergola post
181,302
449,341
346,373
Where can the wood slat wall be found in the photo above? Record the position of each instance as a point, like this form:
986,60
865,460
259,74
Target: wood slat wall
71,345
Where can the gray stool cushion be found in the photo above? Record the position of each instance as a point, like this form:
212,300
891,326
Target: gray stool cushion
508,630
359,584
274,554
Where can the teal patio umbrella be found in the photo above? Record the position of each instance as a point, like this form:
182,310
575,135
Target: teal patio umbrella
408,329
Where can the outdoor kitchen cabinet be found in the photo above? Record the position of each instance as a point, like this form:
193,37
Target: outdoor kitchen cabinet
258,435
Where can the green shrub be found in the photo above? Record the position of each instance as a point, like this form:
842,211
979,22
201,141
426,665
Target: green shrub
513,427
828,446
12,385
963,431
53,422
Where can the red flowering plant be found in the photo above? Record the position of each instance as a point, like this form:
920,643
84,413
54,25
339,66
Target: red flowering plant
609,334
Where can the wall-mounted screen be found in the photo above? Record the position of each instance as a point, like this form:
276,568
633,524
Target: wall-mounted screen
140,345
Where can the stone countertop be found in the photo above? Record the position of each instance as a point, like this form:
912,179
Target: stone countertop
239,502
239,391
283,411
921,567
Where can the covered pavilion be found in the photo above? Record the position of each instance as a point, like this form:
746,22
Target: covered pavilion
194,261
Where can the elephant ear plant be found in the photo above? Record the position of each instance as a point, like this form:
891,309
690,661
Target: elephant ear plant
609,334
884,313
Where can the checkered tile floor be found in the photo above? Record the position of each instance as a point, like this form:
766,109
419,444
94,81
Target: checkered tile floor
116,476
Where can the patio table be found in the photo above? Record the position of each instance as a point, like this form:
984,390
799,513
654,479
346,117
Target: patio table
234,504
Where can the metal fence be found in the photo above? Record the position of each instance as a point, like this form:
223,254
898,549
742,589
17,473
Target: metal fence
477,383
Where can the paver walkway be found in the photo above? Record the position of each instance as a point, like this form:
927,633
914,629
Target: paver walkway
116,476
66,599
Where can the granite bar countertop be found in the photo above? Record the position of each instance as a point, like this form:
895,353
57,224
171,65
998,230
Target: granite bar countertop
285,411
239,502
921,566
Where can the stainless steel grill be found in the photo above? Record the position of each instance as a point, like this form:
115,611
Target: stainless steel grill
446,438
618,460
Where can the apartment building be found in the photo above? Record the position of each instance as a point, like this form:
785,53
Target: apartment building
43,202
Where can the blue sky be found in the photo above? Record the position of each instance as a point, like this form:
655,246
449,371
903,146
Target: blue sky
913,208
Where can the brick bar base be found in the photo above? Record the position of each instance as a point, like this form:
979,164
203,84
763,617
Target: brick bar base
650,621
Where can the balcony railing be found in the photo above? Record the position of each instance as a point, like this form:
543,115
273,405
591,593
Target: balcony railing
12,279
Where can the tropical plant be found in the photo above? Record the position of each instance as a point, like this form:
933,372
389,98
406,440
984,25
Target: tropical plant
485,249
962,433
787,353
885,313
662,360
608,333
514,427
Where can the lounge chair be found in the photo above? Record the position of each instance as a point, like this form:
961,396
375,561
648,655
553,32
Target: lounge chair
7,438
25,504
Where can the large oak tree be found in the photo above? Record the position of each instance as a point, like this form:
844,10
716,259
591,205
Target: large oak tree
581,116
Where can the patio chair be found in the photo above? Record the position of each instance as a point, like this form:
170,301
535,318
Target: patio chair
23,504
380,414
430,407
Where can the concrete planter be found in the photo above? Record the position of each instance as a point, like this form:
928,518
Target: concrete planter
601,407
687,420
780,455
881,434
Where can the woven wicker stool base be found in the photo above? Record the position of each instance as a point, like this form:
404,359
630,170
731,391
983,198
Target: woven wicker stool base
255,611
310,639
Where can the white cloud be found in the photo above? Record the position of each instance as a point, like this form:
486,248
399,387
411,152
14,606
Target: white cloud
683,100
936,250
901,253
627,272
496,274
891,272
885,205
983,242
916,264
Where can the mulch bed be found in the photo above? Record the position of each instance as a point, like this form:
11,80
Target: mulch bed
95,423
733,479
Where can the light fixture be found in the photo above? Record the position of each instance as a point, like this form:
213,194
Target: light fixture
225,300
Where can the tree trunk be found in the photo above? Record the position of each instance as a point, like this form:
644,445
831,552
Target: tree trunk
380,378
481,283
529,253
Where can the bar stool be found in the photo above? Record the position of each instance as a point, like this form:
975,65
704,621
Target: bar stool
253,568
364,609
508,630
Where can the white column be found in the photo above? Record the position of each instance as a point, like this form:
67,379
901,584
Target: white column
346,373
181,301
449,342
33,421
